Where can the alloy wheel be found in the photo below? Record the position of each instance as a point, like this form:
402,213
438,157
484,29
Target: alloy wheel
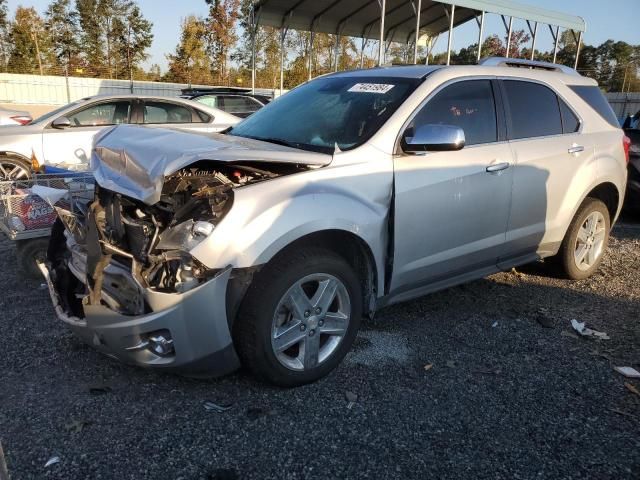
12,171
590,241
310,321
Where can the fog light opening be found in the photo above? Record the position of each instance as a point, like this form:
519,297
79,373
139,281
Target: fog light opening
161,343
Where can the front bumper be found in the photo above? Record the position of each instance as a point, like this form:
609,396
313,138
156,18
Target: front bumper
196,321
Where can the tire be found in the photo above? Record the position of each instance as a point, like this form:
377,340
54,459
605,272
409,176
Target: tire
28,253
569,254
268,311
12,168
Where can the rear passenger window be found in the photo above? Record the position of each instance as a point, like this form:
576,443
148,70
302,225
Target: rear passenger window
570,123
534,110
468,105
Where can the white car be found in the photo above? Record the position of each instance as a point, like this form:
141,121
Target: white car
63,138
14,117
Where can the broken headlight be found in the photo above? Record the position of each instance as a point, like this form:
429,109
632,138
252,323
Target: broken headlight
184,236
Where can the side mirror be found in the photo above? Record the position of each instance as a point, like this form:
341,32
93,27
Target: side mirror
61,122
432,137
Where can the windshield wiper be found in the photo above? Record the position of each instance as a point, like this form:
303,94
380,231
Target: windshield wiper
280,141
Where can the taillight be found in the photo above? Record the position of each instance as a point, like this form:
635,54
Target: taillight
22,119
626,144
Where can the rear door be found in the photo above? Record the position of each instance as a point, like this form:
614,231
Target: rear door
548,150
238,105
451,208
172,114
72,145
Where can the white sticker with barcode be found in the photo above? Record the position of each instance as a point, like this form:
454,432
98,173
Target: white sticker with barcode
371,88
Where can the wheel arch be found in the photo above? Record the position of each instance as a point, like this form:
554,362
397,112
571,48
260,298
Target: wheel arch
608,193
352,248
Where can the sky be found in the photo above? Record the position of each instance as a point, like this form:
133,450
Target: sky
615,19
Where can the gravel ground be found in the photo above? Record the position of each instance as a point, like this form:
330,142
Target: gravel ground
511,392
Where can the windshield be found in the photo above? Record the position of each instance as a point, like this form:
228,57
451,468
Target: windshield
317,116
55,112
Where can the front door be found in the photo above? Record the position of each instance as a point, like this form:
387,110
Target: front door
72,146
452,207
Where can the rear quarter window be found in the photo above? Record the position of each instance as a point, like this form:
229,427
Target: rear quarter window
593,96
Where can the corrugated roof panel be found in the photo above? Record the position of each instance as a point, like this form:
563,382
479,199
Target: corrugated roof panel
361,18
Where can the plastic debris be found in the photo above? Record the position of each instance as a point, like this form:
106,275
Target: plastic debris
4,472
588,332
52,461
628,372
428,367
352,398
632,389
48,194
494,325
214,407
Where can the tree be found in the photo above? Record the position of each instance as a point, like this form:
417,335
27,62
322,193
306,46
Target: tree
221,23
190,63
90,18
5,43
61,22
132,38
31,46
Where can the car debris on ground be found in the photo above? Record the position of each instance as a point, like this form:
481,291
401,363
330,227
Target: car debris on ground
52,461
628,372
588,332
214,407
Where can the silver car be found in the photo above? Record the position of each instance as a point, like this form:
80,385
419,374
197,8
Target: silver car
63,137
14,117
268,244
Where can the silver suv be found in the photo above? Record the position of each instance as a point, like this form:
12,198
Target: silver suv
266,245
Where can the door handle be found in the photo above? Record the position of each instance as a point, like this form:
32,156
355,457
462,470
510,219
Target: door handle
576,149
497,167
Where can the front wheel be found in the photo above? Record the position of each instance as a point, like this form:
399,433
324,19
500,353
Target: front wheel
299,317
14,169
586,240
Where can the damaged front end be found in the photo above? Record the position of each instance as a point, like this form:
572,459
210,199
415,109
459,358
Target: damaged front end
122,276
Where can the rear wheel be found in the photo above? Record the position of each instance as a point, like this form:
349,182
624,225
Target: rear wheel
586,240
29,253
14,169
299,317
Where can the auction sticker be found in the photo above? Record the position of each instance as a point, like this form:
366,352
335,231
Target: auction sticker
371,88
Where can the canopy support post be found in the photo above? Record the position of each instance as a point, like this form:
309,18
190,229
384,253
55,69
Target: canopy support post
415,46
283,34
310,68
336,49
534,32
254,31
556,37
450,40
481,31
578,42
383,8
509,30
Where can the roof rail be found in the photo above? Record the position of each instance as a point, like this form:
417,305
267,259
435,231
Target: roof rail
523,63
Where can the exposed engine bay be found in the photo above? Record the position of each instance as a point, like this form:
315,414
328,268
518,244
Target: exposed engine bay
121,246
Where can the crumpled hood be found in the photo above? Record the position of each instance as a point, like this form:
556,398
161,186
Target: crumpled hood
134,160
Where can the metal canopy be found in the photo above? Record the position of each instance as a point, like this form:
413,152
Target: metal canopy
401,21
361,18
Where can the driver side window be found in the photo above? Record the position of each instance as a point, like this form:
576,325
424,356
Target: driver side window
469,105
102,114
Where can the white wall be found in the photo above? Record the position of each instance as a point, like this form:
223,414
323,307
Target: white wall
54,90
